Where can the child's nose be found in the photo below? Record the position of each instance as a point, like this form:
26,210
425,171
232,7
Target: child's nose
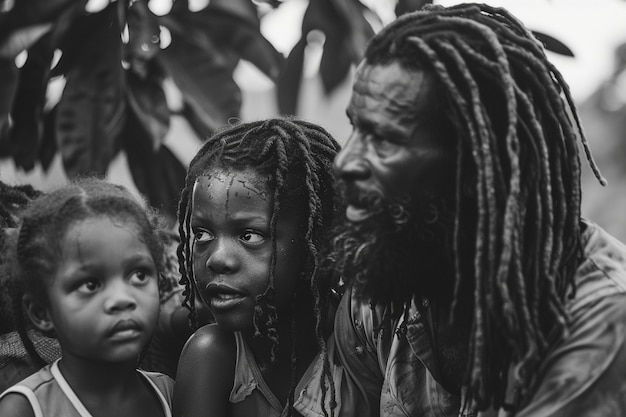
223,259
119,298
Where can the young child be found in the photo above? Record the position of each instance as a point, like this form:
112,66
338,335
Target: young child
258,200
89,256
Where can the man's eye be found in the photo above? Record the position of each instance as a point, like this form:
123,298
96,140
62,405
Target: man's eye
203,236
252,238
383,144
88,287
381,140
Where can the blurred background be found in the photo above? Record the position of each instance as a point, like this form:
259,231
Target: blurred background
127,89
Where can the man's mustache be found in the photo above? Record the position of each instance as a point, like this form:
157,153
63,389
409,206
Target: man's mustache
370,199
377,203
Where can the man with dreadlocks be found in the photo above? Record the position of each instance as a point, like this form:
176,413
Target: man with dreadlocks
474,285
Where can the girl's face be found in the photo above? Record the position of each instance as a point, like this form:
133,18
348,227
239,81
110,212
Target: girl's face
232,249
104,299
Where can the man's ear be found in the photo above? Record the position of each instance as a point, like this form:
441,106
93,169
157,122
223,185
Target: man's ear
38,314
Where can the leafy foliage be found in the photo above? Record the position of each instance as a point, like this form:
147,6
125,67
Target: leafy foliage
114,66
346,31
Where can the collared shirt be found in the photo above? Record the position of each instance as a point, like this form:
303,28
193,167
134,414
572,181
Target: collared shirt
389,368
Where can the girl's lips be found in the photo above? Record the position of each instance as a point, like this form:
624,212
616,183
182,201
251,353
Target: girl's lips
214,289
222,301
222,296
124,335
125,330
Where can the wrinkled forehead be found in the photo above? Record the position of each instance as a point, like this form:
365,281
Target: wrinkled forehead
406,90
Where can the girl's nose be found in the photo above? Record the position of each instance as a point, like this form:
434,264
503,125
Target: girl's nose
223,259
120,297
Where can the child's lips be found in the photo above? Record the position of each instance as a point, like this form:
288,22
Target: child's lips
223,296
125,329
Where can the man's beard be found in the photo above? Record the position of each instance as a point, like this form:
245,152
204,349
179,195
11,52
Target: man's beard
403,251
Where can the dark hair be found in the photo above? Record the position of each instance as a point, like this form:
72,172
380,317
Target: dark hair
13,201
297,158
517,181
37,250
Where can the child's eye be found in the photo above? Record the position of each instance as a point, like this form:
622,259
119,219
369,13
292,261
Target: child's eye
203,236
88,287
252,238
140,277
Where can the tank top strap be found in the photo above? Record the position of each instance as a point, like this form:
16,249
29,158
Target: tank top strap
248,376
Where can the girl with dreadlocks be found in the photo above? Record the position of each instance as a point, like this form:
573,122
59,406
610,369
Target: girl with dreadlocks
257,204
474,283
89,256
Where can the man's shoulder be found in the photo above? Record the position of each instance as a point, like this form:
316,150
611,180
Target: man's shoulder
602,273
583,374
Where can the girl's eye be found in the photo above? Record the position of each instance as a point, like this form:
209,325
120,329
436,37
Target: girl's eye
202,236
252,238
88,287
140,277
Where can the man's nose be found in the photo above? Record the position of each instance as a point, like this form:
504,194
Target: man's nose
351,164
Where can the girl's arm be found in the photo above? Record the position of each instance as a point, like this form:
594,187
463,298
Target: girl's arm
15,405
205,374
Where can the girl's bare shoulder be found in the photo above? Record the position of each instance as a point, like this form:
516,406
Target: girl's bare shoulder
14,404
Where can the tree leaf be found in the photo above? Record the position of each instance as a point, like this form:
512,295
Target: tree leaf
243,9
360,31
157,173
288,87
33,12
147,100
552,44
347,32
22,39
48,145
322,15
73,31
407,6
335,63
143,43
92,108
205,77
230,34
8,87
28,105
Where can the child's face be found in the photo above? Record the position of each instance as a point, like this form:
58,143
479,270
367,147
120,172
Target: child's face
232,248
104,300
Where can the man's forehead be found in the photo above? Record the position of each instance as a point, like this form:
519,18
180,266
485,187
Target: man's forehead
382,76
394,87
